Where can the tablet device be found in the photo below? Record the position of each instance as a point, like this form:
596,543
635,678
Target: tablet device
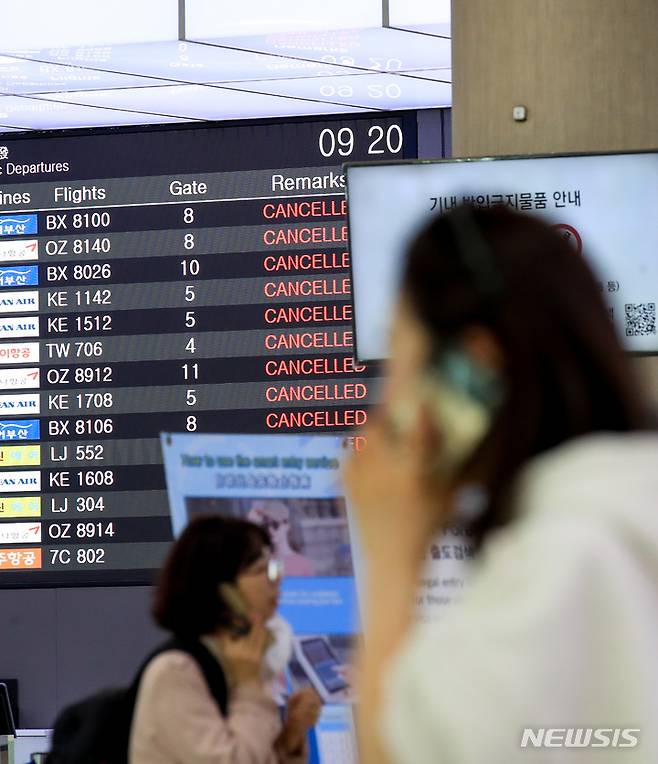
322,667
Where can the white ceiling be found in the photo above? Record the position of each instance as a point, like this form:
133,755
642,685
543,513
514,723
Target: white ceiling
83,63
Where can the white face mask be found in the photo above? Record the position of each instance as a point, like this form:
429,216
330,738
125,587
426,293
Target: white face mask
278,654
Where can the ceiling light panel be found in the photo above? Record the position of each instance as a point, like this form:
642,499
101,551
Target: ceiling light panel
428,16
435,30
38,114
371,49
369,91
442,75
249,17
202,102
66,23
21,77
187,62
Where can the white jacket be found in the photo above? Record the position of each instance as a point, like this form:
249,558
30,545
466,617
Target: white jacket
558,628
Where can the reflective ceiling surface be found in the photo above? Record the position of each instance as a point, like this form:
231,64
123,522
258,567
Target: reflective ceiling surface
86,63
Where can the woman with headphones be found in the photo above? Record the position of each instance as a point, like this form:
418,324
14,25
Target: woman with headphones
510,410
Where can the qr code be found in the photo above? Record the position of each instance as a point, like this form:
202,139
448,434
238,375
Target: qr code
640,319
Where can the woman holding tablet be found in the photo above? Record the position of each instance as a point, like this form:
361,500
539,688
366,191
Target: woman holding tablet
206,700
510,410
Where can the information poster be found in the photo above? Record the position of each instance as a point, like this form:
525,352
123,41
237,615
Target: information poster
290,485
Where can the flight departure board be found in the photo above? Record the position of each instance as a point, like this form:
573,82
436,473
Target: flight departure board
193,279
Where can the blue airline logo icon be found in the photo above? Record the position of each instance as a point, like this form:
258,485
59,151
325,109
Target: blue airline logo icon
19,429
19,276
18,225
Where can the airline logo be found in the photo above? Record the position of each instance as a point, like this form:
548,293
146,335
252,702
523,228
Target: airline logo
20,559
19,276
19,429
20,456
20,481
20,533
27,326
19,352
19,379
20,506
19,302
18,225
19,251
20,405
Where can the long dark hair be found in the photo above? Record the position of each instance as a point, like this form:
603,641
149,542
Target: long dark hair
211,550
565,371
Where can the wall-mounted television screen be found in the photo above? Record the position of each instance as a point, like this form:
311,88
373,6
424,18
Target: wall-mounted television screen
605,204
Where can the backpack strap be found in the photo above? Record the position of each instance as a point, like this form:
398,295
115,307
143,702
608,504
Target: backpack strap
210,668
209,665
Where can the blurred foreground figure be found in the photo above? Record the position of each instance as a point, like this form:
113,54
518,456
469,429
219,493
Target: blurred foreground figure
510,409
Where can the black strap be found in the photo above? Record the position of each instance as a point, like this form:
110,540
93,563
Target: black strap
209,665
